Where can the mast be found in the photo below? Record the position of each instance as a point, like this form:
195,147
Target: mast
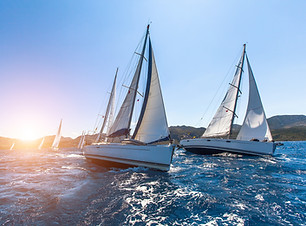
140,66
108,107
238,89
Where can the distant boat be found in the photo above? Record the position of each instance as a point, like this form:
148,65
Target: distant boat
11,148
141,148
109,113
254,137
82,141
41,143
57,138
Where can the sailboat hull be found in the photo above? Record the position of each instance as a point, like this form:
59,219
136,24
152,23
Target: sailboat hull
124,155
214,146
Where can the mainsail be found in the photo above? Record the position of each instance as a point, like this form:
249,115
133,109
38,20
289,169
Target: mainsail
109,114
255,125
152,125
121,125
221,124
57,137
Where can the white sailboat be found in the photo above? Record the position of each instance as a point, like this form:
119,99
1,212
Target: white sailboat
82,141
141,148
109,113
11,148
41,143
254,137
57,138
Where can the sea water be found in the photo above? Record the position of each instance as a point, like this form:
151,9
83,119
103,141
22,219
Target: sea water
40,187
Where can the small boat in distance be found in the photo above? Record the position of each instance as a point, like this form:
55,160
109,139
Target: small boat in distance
57,138
11,148
41,143
254,137
82,141
143,147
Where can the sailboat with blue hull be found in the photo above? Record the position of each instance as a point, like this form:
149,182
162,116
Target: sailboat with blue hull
254,137
142,148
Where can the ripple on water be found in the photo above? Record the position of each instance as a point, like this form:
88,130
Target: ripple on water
63,188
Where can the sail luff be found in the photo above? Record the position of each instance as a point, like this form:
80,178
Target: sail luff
109,108
122,123
255,125
238,89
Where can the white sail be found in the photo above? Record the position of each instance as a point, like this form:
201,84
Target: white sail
12,146
109,114
81,140
152,125
221,123
122,121
57,137
255,125
112,107
41,143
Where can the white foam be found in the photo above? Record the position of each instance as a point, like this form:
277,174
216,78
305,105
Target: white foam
259,197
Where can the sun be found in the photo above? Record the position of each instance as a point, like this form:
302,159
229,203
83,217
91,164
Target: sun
28,134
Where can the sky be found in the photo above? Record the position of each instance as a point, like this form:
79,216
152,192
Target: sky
58,58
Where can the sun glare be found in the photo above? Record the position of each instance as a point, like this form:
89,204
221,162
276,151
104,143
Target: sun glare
28,134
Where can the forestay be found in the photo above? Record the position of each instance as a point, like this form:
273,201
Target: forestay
255,125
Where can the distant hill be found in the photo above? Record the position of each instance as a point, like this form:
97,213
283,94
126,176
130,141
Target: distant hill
283,127
287,121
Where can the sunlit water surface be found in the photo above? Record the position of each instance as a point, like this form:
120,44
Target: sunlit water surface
51,188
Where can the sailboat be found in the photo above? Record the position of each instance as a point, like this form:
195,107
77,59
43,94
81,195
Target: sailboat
11,148
41,143
82,141
143,147
109,113
254,137
57,138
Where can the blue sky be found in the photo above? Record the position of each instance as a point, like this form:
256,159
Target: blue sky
58,58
